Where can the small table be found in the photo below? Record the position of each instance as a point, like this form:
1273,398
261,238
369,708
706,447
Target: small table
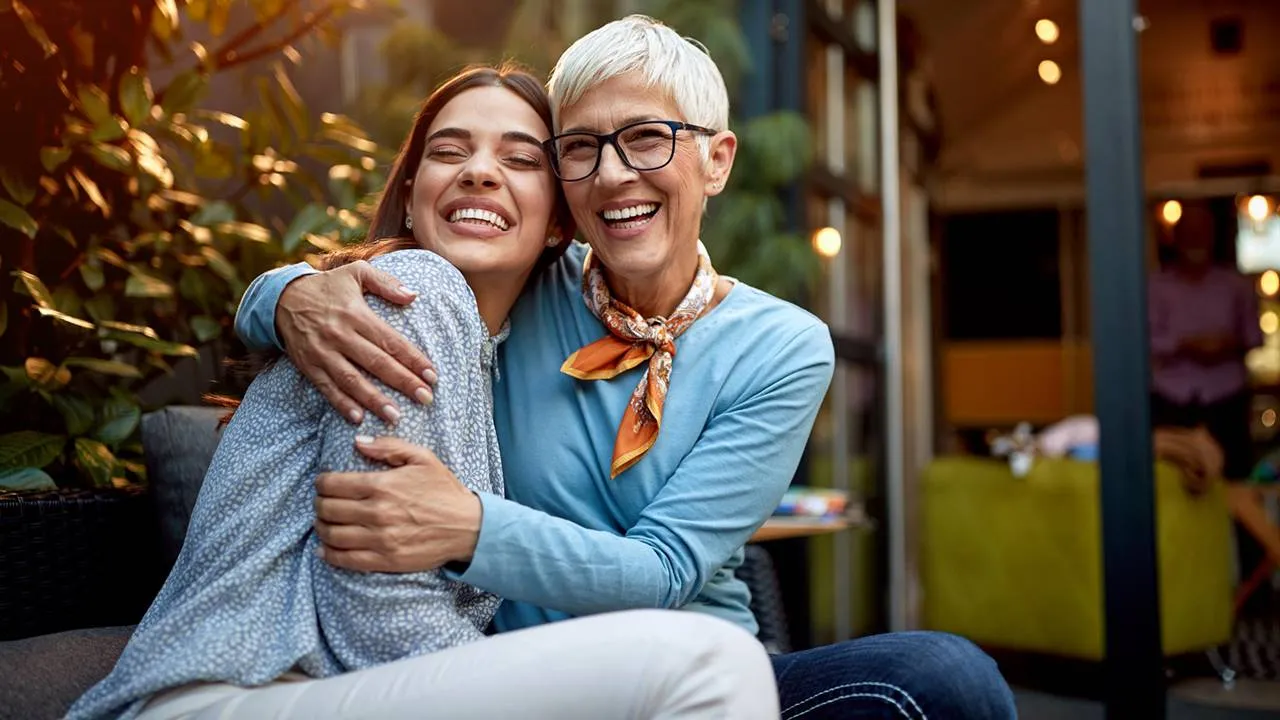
784,528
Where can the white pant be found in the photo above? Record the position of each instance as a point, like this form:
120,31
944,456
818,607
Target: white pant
630,665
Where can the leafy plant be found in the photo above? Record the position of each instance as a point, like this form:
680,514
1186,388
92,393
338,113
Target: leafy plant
131,214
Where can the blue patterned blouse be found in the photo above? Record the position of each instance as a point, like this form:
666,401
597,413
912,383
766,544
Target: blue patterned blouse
248,599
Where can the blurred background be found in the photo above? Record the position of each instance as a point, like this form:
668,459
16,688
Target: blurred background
160,154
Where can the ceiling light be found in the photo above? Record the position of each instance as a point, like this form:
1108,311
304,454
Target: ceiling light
1171,212
1050,73
1047,31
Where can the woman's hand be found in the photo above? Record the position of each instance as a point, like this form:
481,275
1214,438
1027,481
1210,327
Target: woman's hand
413,517
331,335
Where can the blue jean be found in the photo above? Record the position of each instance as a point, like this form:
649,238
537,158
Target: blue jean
905,676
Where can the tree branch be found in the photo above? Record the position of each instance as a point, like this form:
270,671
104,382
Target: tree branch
309,23
229,48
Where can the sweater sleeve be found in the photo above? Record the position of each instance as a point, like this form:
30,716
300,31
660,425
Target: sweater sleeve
373,618
256,315
720,494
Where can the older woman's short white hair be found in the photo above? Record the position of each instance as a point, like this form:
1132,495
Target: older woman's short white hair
679,66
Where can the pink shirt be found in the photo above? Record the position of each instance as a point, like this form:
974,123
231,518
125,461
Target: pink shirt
1223,301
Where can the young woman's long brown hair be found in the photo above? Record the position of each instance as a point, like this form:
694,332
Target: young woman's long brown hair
387,231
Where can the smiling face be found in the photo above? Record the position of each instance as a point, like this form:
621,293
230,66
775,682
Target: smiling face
483,195
643,226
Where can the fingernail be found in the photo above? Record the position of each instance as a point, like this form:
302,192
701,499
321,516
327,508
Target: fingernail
320,551
406,291
423,396
430,376
364,440
392,413
355,416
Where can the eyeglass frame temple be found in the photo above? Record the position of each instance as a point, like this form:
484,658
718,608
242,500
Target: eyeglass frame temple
548,145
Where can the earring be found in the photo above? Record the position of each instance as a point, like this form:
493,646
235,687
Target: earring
552,241
408,222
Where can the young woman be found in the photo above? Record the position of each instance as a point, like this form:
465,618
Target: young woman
252,621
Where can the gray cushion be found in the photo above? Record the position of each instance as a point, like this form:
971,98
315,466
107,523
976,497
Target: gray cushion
41,676
180,442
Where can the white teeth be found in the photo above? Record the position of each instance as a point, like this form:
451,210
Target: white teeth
488,216
630,212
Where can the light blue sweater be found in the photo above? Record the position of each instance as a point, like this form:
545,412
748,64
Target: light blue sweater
746,385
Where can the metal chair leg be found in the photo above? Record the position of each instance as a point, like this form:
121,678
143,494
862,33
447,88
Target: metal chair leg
1220,666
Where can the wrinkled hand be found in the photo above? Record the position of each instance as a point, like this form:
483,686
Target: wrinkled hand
411,518
331,334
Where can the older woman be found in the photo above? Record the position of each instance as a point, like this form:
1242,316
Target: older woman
650,413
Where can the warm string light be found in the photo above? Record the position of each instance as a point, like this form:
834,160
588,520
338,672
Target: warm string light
826,242
1269,283
1047,31
1049,71
1171,212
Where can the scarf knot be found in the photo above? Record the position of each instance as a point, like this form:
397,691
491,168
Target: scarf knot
633,340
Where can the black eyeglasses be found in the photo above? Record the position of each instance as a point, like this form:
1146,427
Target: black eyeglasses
645,145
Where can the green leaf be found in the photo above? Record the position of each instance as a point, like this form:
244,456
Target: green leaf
308,220
120,417
140,284
76,412
92,275
95,460
136,96
29,449
26,479
53,157
205,328
111,157
192,285
18,219
94,103
62,317
120,327
101,307
222,118
35,288
91,190
16,185
219,264
246,230
110,128
214,212
148,341
183,92
45,374
33,29
105,367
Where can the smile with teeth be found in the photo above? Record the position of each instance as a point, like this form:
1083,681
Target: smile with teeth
629,217
478,216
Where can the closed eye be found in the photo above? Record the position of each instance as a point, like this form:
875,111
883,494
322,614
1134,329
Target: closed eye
525,160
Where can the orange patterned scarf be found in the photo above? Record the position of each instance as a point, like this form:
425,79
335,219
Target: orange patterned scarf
633,339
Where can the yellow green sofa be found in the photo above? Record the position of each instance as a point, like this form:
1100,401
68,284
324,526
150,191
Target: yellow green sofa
1016,563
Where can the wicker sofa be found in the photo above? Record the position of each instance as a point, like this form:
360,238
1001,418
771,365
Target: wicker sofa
41,676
